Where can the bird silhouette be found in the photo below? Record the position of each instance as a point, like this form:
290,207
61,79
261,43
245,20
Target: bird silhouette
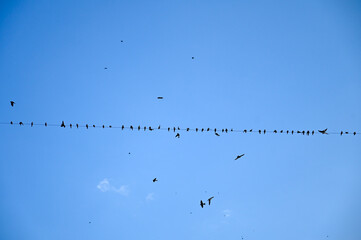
245,131
287,131
21,123
159,97
346,132
138,128
93,126
313,132
110,126
62,124
303,132
292,132
264,131
12,103
202,204
226,130
281,131
196,129
159,127
217,134
178,128
354,133
187,129
202,130
239,156
323,131
173,129
131,127
71,125
77,125
222,129
259,131
298,131
168,129
145,128
121,40
151,129
341,133
87,126
31,124
46,124
11,122
155,180
275,131
308,133
192,57
215,130
105,68
122,127
251,130
177,135
209,200
207,129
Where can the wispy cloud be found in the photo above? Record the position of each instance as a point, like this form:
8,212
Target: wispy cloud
149,197
105,186
226,213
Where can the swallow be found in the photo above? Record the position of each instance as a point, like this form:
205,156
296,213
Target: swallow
354,133
231,129
12,103
131,127
292,132
259,131
308,133
70,125
202,204
202,130
264,131
122,127
46,124
138,128
239,156
187,129
207,129
323,131
168,129
275,131
346,132
155,180
121,40
287,131
87,126
341,133
177,135
222,129
178,128
159,127
31,124
173,129
217,134
21,123
226,130
303,132
196,129
62,124
313,132
145,128
77,125
245,131
11,122
110,126
215,130
281,131
209,200
151,129
93,126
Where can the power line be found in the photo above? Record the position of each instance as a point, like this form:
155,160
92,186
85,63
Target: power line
177,129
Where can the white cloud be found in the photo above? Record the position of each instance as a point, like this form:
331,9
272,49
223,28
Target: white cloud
227,213
149,197
105,186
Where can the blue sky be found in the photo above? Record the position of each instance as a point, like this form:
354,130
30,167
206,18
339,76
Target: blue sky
258,64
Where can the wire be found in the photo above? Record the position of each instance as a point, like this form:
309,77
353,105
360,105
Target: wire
177,129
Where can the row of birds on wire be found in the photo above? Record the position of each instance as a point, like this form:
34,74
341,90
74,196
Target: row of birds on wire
216,131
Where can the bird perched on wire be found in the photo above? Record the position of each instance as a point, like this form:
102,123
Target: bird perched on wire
354,133
239,156
138,128
12,103
192,57
87,126
217,134
62,124
151,129
155,180
159,127
77,125
264,131
245,131
177,135
122,127
131,127
341,133
209,200
31,124
313,132
105,68
21,123
187,130
275,131
11,122
159,97
202,204
259,131
71,125
323,131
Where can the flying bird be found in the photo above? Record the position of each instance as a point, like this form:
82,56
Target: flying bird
12,103
155,180
239,156
209,200
323,131
202,204
177,135
217,134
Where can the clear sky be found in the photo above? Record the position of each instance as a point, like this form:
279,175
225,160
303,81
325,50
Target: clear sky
257,64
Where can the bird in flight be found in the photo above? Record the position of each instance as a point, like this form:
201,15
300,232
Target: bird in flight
12,103
202,204
155,180
217,134
209,200
178,135
239,156
323,131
